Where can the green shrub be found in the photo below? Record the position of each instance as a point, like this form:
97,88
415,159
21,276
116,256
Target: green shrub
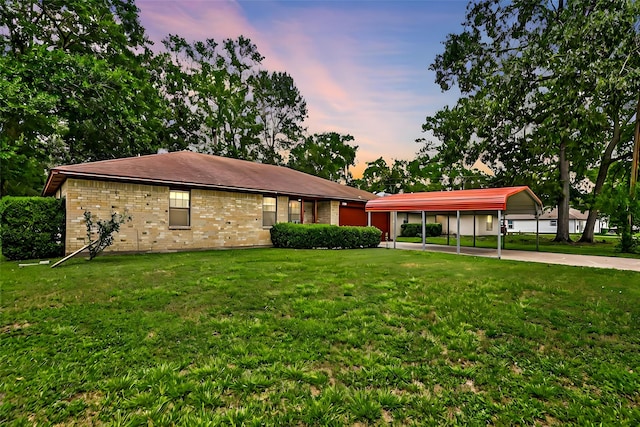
308,236
32,227
415,229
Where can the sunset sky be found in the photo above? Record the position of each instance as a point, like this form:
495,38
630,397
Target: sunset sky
362,66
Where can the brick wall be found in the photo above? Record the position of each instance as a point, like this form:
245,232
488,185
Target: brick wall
329,212
218,219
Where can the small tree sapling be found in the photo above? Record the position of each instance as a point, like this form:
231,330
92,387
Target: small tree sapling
104,229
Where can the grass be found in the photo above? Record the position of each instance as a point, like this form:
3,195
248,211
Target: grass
602,246
285,337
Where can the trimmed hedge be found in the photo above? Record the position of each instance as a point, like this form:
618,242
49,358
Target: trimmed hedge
309,236
415,230
31,227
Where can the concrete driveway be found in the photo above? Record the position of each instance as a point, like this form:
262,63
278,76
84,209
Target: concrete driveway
529,256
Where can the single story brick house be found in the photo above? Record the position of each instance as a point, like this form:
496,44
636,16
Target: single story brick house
185,201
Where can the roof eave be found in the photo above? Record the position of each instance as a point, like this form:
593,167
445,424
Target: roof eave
47,191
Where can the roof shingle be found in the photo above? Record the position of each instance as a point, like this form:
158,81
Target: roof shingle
190,169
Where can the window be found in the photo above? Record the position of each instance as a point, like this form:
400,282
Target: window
294,211
179,206
510,224
489,222
268,211
553,222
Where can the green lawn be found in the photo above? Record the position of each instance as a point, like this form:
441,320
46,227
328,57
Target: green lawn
286,337
603,245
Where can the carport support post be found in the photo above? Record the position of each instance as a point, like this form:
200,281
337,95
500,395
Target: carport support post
474,230
458,233
395,222
499,234
368,219
448,230
537,232
424,231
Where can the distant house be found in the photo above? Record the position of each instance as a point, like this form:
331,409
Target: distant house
186,200
548,222
486,225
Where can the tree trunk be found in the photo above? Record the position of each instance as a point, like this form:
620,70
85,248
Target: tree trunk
562,233
587,233
636,153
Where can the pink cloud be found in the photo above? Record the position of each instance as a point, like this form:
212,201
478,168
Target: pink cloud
349,79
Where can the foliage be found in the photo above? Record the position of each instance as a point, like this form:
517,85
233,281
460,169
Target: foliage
620,208
423,173
415,229
79,82
291,337
103,230
211,87
309,236
75,86
380,178
31,227
281,112
327,155
548,94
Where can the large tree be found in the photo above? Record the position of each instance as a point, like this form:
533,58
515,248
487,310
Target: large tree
548,91
209,86
281,112
327,155
75,85
423,173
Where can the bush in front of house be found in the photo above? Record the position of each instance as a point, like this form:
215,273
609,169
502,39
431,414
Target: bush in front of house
31,227
309,236
415,229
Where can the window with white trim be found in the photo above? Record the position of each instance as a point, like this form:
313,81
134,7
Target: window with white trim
179,208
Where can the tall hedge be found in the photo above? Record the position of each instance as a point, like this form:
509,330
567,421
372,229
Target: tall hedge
31,227
415,229
309,236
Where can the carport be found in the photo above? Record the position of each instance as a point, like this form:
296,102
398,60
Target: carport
485,201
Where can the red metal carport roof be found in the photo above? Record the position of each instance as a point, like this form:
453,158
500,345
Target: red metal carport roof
509,199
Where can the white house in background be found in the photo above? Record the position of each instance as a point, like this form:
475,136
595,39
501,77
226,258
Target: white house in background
548,222
487,225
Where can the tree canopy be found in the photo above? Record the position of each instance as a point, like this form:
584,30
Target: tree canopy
79,82
327,155
549,91
74,86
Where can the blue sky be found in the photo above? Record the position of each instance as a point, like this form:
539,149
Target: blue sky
362,66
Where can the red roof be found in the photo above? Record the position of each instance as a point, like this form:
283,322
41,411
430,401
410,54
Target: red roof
196,170
510,199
